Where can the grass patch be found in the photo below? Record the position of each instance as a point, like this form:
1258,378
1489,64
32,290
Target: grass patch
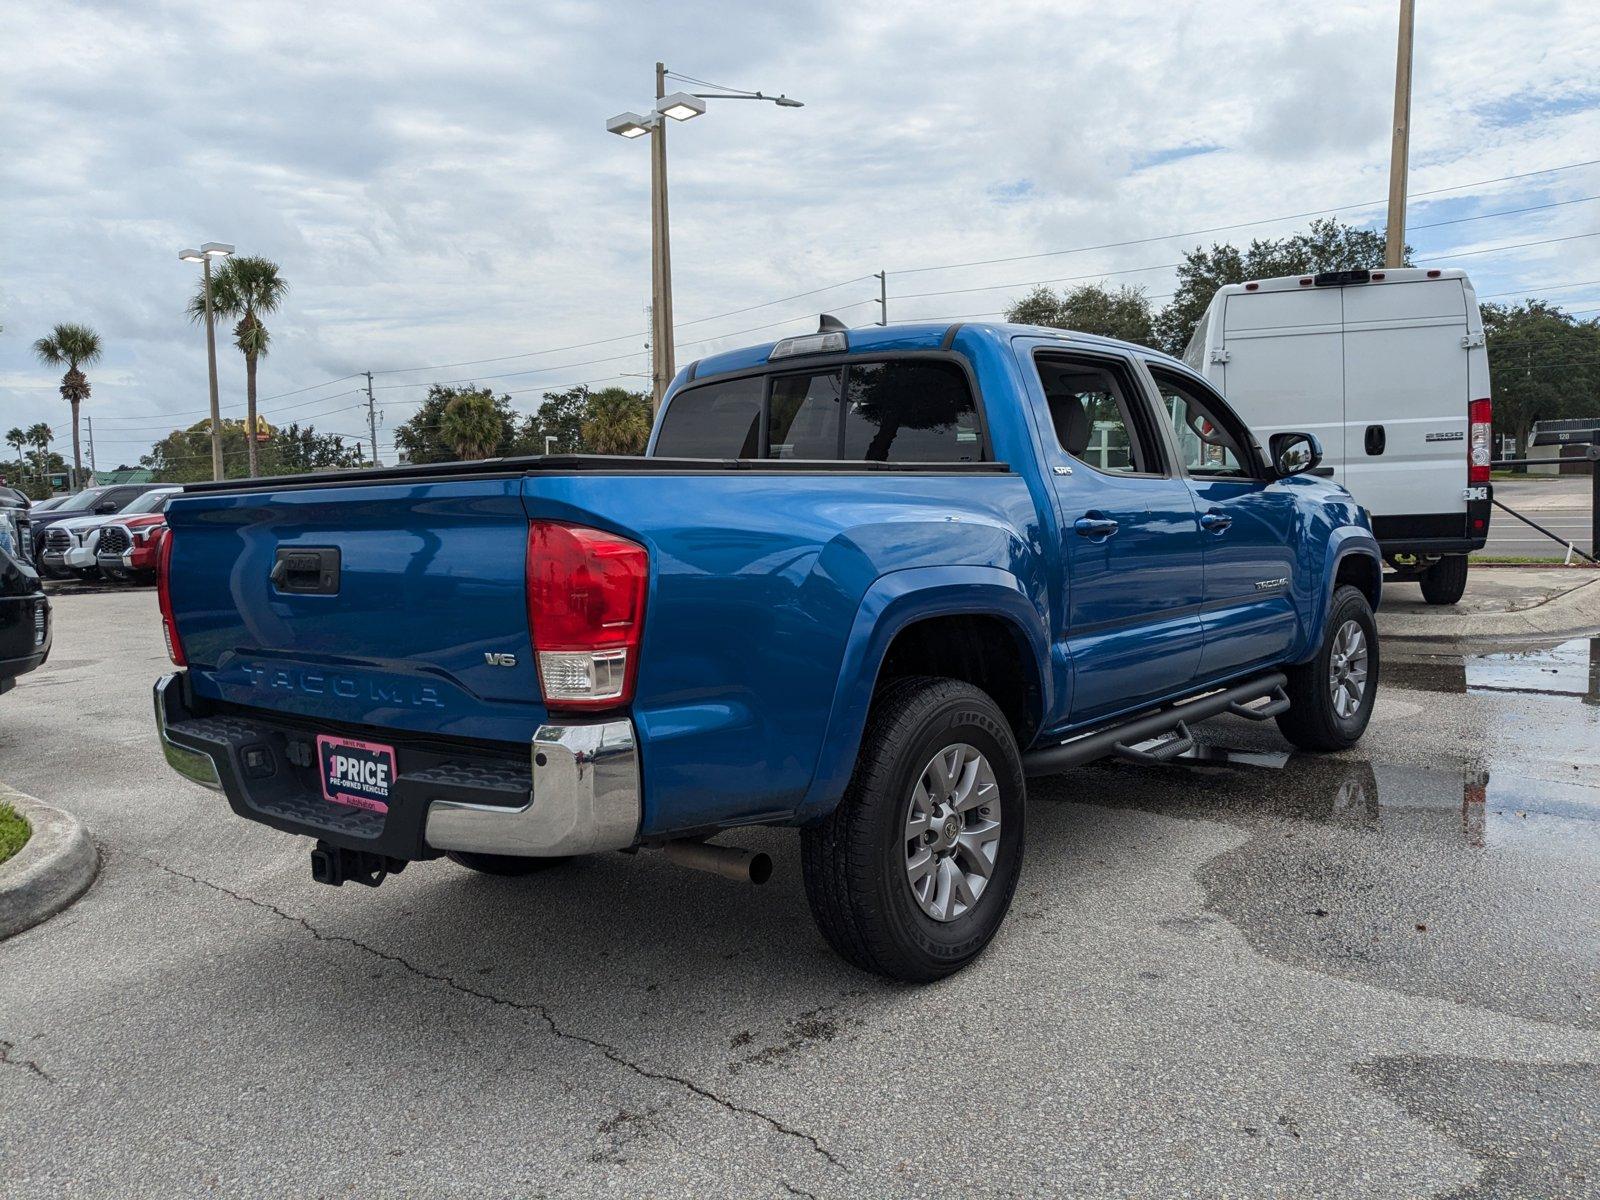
14,831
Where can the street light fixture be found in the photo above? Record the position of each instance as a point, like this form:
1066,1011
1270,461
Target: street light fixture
680,106
204,255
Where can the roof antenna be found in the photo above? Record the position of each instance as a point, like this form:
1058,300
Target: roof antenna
831,324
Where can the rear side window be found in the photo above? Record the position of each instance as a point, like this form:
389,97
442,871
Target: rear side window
1097,414
719,420
907,411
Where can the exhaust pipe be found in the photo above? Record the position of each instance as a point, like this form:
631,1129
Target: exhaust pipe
731,862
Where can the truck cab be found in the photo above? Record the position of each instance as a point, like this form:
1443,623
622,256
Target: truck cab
1390,370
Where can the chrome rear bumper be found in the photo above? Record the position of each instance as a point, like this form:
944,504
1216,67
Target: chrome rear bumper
585,793
586,797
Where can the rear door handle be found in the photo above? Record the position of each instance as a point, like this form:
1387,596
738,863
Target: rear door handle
1095,528
1214,522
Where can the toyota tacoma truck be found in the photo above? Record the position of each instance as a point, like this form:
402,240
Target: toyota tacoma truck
863,583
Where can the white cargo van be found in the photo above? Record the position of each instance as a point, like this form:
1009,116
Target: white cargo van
1388,368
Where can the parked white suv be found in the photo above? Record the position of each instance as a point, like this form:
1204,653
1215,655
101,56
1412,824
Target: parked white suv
70,546
1388,368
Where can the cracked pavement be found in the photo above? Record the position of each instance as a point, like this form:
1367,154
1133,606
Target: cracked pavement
1164,1014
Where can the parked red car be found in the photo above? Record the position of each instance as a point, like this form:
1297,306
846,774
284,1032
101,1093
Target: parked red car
127,549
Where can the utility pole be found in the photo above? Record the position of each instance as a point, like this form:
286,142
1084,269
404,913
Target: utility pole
1400,150
372,418
662,367
883,297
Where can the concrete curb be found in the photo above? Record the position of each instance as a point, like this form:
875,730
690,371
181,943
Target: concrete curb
1572,613
56,866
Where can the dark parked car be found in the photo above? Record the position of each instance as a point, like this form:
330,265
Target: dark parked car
24,620
16,526
101,500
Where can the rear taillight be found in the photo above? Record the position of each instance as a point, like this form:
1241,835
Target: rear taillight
586,592
169,625
1480,421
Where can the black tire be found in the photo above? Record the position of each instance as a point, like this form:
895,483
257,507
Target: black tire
1446,581
855,863
1312,722
503,864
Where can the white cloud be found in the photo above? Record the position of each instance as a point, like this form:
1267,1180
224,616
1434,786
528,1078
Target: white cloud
437,185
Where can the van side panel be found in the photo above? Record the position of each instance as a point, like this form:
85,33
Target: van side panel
1285,366
1405,372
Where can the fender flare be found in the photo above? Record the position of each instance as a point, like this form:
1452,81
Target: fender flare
1343,543
893,602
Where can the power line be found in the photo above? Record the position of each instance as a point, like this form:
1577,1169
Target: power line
1239,224
1514,246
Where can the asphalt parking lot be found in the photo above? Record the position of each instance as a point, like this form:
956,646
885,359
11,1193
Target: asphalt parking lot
1253,974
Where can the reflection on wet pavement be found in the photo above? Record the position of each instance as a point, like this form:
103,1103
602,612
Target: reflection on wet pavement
1469,805
1570,669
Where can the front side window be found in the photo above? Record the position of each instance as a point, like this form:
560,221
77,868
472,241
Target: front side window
1095,409
1206,447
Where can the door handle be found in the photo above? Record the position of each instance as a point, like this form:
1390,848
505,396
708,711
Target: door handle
1095,528
1215,522
1375,440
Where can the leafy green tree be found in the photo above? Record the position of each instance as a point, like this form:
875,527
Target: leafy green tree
1124,313
421,437
471,425
295,451
559,418
1543,364
74,347
1327,245
618,422
247,289
184,455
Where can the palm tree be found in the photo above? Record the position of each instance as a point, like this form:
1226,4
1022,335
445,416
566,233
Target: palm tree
15,437
72,346
471,425
40,436
245,288
618,422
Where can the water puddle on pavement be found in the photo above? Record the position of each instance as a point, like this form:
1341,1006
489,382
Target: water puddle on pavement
1569,669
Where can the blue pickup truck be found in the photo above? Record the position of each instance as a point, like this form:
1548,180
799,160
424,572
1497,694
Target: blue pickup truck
864,583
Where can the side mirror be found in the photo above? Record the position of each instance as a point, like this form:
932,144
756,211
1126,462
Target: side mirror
105,508
1294,453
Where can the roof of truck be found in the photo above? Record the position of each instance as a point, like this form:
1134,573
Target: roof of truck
911,336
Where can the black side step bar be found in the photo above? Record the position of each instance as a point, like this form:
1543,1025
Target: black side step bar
1123,739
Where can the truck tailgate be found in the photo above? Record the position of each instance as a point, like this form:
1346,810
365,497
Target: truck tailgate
423,625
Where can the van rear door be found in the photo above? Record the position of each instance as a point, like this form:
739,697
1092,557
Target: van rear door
1406,393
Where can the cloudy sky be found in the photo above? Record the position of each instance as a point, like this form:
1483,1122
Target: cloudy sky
436,182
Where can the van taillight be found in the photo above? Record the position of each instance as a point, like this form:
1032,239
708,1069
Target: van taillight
169,625
586,593
1480,438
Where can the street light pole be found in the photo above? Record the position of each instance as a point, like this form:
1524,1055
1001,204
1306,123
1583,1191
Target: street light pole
1394,250
680,106
663,360
204,255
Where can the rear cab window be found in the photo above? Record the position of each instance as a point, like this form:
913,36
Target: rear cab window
897,410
